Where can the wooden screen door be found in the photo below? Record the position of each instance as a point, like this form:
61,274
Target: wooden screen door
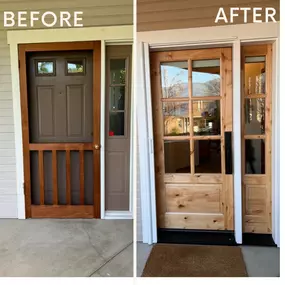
60,105
192,118
256,138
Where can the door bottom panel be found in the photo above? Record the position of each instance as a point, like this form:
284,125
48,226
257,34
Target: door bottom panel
64,212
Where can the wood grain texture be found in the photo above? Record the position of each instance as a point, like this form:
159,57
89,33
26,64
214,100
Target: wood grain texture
193,198
60,146
194,221
60,211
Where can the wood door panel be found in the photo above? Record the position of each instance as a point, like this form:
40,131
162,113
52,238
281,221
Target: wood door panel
195,192
194,179
194,221
195,198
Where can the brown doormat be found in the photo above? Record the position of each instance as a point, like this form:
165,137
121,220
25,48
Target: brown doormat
173,260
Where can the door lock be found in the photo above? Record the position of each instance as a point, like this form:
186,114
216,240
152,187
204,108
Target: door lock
97,146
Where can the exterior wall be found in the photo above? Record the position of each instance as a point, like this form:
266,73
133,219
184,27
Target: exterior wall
164,14
95,13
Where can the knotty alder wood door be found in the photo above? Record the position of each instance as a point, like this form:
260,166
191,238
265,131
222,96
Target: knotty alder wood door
192,118
256,138
60,100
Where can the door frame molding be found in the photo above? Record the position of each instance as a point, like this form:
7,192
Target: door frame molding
107,35
232,35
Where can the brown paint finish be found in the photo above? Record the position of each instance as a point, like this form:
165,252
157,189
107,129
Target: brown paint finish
192,195
117,138
65,161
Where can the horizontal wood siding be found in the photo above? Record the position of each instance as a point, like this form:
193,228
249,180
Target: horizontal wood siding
155,15
95,13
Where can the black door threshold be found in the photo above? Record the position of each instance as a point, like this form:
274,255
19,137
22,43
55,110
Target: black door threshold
203,237
258,239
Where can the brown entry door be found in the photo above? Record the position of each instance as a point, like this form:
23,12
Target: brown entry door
62,135
192,118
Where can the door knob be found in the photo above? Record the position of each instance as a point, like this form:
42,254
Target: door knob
97,146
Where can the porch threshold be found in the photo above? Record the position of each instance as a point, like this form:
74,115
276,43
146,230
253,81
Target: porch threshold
205,237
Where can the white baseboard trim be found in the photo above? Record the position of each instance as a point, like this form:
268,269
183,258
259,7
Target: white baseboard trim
118,215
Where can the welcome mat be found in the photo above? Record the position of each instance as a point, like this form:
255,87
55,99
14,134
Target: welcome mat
175,260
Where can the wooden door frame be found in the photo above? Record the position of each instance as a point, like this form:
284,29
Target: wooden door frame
95,46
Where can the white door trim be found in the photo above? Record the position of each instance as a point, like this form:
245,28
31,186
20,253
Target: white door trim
116,34
233,35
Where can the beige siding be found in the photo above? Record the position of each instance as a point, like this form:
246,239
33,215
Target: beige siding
95,13
166,14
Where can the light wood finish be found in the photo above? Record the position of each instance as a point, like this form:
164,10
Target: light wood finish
192,200
180,14
257,188
61,211
194,221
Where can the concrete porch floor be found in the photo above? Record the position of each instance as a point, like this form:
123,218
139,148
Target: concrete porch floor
259,261
66,248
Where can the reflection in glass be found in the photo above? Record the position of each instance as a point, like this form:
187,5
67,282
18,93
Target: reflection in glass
174,79
117,98
45,67
207,155
176,118
75,66
206,117
117,124
206,77
255,116
255,75
177,156
118,71
255,156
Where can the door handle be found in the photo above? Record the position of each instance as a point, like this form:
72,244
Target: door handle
97,146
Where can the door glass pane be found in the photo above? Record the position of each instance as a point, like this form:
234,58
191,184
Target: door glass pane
176,118
206,117
174,79
45,67
75,66
255,116
118,71
177,156
207,155
255,156
117,100
206,77
254,75
117,124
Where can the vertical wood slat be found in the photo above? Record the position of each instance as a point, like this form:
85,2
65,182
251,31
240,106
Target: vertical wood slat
41,177
68,191
81,153
54,177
